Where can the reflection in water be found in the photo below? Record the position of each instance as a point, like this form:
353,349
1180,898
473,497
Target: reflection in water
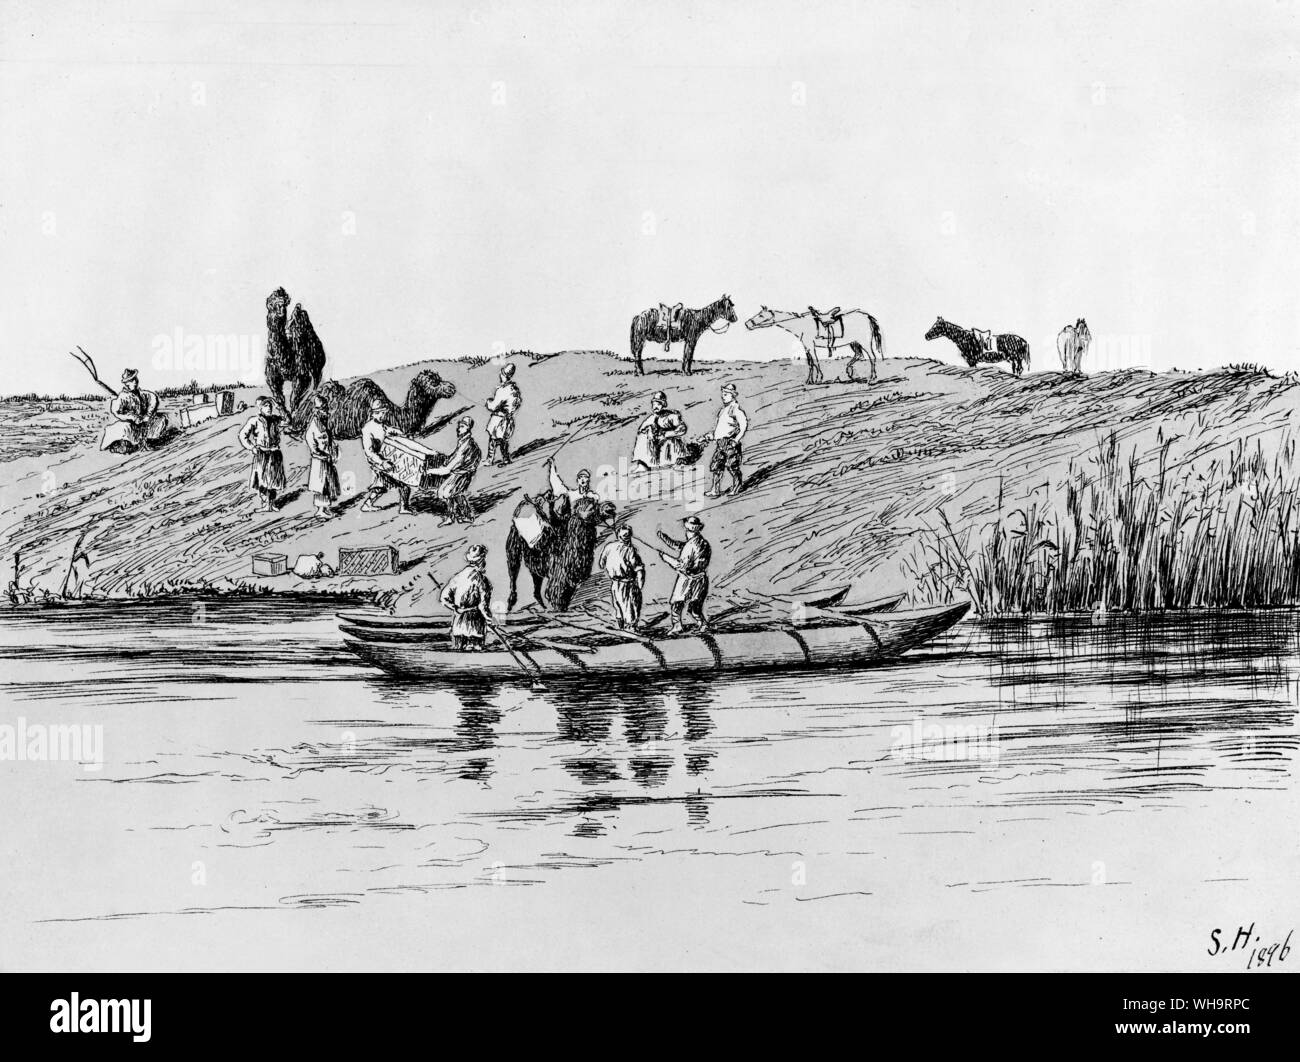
1032,732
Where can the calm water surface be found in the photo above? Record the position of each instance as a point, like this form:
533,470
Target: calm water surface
1020,795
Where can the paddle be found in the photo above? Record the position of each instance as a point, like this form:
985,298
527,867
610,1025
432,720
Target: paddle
515,656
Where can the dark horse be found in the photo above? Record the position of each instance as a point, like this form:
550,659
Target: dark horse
1010,348
685,329
564,555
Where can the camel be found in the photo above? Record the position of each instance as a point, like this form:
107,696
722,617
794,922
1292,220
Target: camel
565,553
295,356
350,406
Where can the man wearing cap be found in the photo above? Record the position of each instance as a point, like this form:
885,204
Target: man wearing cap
373,434
626,571
260,435
692,586
459,470
560,489
731,428
469,595
659,437
138,419
502,406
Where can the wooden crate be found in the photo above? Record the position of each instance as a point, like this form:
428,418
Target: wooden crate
411,461
225,402
270,564
367,560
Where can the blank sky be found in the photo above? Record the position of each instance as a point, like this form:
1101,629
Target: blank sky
489,175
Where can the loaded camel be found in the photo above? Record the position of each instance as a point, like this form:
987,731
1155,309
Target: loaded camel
564,554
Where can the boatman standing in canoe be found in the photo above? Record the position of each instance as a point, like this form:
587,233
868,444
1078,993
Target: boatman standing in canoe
260,435
469,595
692,586
626,571
501,407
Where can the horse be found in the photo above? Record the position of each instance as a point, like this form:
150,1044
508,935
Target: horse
1072,344
565,553
690,325
860,336
1010,348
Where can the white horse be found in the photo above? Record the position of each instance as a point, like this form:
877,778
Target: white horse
861,334
1072,345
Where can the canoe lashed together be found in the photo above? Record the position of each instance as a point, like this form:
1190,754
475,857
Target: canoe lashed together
416,648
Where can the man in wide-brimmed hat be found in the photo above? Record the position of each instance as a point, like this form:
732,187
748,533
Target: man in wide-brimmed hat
260,435
692,585
468,594
138,419
373,434
459,470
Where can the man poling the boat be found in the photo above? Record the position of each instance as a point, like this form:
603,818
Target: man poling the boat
626,571
692,585
468,594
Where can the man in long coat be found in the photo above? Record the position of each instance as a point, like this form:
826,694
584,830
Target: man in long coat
323,479
626,571
468,594
502,407
260,435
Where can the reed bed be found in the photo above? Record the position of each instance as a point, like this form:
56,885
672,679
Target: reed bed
1126,535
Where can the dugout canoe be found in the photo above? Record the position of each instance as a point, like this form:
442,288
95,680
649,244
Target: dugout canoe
382,627
878,638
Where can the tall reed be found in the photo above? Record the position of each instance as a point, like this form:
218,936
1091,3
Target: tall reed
1120,536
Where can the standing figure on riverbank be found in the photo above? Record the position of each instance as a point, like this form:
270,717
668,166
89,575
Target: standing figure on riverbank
692,585
373,434
731,428
659,436
626,571
459,471
323,479
468,594
502,406
260,435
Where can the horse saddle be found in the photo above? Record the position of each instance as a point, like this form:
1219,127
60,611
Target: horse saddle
830,325
670,317
987,340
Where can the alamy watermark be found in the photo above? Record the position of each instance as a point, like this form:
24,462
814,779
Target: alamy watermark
51,742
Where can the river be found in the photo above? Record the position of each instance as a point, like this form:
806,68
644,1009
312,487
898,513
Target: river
1019,795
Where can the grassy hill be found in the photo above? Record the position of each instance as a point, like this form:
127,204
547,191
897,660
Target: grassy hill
1041,493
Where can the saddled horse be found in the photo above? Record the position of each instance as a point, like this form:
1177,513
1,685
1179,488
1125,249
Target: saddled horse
685,327
1007,347
855,329
1072,344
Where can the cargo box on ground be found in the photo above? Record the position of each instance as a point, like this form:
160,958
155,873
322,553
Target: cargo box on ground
367,560
270,564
